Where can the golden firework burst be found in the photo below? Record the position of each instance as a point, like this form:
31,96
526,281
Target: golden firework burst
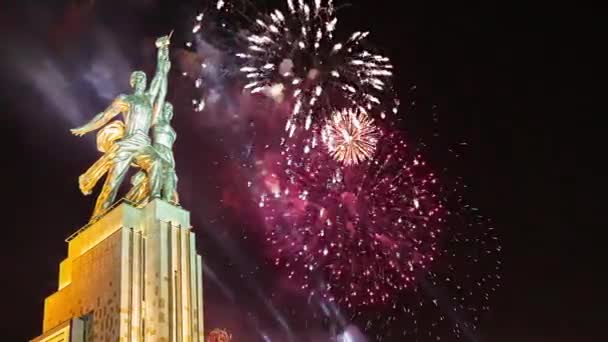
219,335
350,136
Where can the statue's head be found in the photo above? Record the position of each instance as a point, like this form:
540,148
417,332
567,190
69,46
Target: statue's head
167,112
138,80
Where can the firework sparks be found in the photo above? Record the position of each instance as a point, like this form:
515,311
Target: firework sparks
350,136
368,230
219,335
214,38
298,51
384,235
362,223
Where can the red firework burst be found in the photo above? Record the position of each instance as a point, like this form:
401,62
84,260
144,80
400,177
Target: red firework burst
385,239
366,230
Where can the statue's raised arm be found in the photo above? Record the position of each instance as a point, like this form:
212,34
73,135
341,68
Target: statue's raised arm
119,105
159,84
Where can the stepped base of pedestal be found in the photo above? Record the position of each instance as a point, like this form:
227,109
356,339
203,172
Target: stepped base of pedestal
70,331
136,274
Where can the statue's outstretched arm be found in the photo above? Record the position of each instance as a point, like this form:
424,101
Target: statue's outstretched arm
119,105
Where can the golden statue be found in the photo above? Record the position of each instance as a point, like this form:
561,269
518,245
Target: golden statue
128,143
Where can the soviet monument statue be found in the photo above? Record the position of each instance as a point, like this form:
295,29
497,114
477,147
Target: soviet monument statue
128,143
132,273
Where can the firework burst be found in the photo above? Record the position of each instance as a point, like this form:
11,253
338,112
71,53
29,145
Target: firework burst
219,335
384,239
364,222
350,136
296,56
367,230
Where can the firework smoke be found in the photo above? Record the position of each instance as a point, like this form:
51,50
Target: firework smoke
216,33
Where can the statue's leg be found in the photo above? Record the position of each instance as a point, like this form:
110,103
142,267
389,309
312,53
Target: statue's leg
139,189
148,160
155,178
170,186
115,176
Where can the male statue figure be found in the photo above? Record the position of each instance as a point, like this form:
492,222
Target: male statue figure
139,110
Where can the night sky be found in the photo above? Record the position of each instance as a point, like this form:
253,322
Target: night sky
508,81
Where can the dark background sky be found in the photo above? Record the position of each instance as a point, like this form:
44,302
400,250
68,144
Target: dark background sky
510,81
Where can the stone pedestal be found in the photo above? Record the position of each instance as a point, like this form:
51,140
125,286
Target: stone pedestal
135,274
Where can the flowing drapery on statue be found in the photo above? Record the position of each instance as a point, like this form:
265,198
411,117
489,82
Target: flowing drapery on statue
128,143
106,139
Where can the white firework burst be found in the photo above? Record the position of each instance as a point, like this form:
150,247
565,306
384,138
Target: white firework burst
318,73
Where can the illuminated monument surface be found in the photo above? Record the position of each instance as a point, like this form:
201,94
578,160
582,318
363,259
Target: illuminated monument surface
132,273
